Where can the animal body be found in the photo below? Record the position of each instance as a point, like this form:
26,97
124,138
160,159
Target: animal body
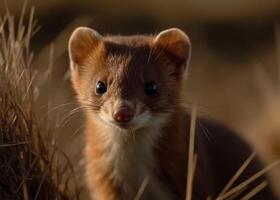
130,88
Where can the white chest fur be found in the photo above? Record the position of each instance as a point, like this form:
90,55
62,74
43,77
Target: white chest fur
131,156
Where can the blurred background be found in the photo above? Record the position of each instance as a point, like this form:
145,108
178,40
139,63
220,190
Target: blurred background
234,74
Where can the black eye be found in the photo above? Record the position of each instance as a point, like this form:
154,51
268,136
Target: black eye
101,88
151,88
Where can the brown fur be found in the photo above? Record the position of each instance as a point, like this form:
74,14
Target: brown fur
106,188
158,147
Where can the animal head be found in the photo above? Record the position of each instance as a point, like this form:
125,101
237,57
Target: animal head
129,81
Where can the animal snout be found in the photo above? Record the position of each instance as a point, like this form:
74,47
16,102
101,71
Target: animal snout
123,114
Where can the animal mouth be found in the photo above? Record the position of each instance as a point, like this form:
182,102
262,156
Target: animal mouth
125,125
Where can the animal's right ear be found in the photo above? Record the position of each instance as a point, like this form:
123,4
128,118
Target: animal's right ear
81,43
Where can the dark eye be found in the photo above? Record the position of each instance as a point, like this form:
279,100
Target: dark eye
101,87
151,88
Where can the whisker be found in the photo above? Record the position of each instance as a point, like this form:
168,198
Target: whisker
205,130
72,113
77,131
61,106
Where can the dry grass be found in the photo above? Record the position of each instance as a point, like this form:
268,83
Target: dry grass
29,165
192,157
228,192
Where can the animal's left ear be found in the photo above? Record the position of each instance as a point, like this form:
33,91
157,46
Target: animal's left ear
175,42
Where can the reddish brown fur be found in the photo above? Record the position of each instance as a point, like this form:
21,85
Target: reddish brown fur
125,64
106,189
145,58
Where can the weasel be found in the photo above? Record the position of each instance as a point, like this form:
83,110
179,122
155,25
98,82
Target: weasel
136,127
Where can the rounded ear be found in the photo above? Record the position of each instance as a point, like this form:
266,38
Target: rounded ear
176,42
81,43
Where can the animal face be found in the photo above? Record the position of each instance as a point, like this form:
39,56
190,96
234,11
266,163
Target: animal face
129,82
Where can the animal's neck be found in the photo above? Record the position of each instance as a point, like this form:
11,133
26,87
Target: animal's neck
131,152
130,157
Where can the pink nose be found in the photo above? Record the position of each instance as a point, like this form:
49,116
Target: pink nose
123,114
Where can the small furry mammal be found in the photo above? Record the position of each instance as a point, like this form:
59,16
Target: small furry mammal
130,90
